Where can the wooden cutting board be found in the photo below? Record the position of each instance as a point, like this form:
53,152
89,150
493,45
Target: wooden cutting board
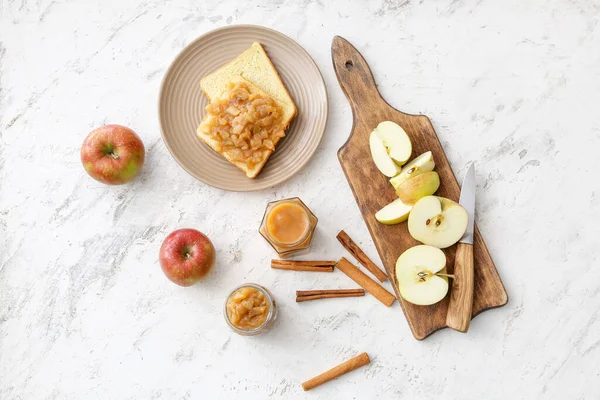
373,191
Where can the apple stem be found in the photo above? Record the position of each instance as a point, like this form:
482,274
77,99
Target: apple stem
109,150
186,253
447,275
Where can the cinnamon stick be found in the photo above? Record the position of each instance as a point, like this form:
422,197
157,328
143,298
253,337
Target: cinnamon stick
315,266
367,283
300,293
307,295
326,296
360,256
345,367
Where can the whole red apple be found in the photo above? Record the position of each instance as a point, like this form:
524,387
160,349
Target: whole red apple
186,256
112,154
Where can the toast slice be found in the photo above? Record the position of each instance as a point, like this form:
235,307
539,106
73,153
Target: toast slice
251,169
256,67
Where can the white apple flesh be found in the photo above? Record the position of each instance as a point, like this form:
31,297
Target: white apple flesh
395,140
380,155
423,163
393,213
437,221
416,271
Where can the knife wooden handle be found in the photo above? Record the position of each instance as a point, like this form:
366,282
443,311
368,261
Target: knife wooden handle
461,296
355,76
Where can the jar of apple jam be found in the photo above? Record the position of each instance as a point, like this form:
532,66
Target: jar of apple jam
250,310
288,225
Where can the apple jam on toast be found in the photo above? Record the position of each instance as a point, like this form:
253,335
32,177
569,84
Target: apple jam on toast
243,125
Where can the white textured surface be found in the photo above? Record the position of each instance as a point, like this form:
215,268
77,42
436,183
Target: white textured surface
85,311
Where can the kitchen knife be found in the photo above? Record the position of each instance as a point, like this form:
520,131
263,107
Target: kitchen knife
461,296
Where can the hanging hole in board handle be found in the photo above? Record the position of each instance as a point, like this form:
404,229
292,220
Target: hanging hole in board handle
349,65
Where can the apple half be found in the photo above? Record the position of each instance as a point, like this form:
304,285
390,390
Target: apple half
396,141
422,163
390,147
437,221
420,186
416,271
393,213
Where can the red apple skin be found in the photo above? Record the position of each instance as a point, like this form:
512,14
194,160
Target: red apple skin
112,154
186,256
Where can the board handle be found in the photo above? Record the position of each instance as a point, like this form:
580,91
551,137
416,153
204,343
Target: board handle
353,74
460,308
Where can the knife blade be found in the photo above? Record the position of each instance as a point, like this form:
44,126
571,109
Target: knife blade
460,308
467,200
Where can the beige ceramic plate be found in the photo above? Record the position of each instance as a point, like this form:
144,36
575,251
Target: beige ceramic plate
182,103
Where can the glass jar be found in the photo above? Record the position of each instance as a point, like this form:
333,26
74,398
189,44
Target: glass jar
288,225
271,312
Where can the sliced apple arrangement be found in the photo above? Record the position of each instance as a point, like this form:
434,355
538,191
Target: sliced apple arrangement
435,221
391,148
414,181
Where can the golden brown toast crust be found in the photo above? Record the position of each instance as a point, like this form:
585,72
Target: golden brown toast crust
280,81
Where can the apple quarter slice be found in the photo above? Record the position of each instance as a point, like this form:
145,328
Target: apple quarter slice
422,163
416,271
393,213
